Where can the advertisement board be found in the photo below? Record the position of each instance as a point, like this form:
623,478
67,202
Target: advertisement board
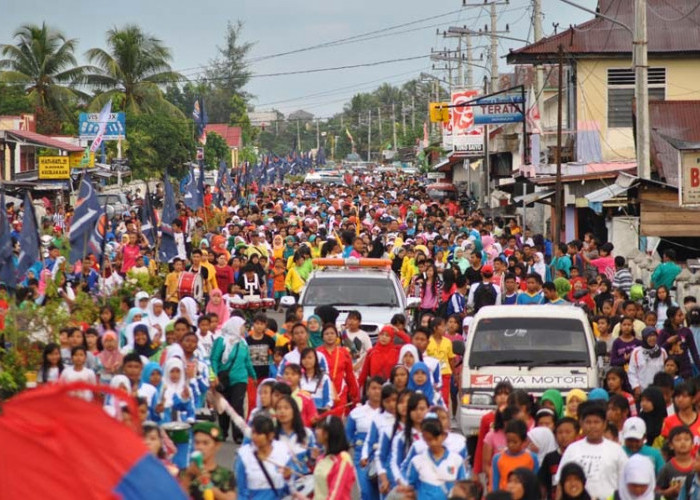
77,156
54,167
467,136
689,193
88,125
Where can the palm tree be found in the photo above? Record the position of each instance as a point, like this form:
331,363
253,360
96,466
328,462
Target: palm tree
43,62
132,71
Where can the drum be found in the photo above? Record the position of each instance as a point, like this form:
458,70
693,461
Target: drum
302,485
190,285
268,303
179,432
238,303
254,302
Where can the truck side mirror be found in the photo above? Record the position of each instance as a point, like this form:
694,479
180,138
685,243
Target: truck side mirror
601,348
458,347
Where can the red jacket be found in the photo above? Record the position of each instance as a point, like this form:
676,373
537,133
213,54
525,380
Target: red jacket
380,360
340,370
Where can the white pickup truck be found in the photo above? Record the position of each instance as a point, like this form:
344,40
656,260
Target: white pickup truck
535,348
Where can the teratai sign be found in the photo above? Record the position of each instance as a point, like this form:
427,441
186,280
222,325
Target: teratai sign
499,108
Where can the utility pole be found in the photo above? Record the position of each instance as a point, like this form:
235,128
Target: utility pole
641,89
379,118
537,31
403,119
494,49
558,195
318,136
298,137
369,134
393,126
470,70
413,112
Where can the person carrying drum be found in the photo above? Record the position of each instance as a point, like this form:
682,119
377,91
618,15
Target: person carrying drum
172,281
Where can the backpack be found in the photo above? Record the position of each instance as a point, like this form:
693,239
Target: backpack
484,295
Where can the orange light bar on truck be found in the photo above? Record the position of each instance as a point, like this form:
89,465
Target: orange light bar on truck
352,262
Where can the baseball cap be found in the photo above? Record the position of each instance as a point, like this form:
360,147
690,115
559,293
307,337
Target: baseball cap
634,428
210,429
487,269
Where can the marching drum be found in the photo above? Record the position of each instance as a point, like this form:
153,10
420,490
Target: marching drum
190,285
180,434
254,302
268,303
236,302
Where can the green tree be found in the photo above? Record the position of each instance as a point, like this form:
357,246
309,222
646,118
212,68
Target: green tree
135,65
184,96
158,141
13,100
229,74
239,118
216,150
43,63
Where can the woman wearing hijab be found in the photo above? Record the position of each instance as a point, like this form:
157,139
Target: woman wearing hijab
573,482
419,381
156,381
142,341
653,411
646,361
113,405
460,259
110,359
314,325
381,358
187,308
573,399
523,485
638,480
408,356
176,402
135,315
157,317
542,441
397,262
218,306
540,267
552,398
230,360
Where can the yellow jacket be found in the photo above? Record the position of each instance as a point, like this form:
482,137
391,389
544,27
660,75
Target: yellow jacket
293,281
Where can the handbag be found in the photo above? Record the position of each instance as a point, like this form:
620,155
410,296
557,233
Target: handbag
223,374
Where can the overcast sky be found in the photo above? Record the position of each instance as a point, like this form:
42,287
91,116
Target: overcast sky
193,29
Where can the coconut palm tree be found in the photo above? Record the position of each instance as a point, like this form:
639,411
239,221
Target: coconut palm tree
42,61
131,71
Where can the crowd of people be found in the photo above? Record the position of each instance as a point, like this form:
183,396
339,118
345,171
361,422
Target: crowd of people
318,409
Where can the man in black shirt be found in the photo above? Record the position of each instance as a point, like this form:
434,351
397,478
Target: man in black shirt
261,346
473,273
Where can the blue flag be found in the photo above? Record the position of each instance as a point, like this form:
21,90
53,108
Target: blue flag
28,239
96,243
87,211
168,247
148,222
200,186
199,115
7,265
192,197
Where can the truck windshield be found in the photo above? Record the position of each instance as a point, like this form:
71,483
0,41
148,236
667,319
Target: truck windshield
529,342
350,292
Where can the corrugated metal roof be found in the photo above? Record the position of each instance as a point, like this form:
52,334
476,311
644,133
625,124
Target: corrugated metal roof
670,29
533,197
671,122
232,135
43,140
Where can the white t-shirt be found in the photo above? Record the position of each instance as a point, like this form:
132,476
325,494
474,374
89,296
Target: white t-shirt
366,343
603,464
70,374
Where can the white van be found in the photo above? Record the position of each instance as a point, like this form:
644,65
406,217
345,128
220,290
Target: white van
535,348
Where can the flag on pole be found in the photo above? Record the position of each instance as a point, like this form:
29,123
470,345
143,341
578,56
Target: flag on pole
87,211
7,265
200,186
102,121
96,242
28,238
192,197
199,115
148,222
168,247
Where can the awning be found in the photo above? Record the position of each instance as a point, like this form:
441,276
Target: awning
622,184
528,199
